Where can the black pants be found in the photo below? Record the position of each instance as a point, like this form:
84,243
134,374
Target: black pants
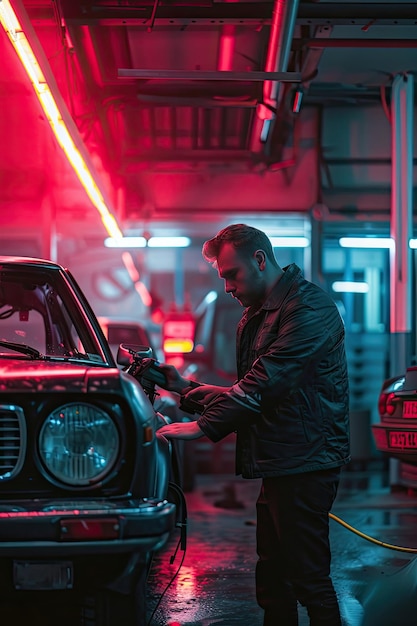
293,548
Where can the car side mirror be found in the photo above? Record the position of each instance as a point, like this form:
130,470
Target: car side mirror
127,352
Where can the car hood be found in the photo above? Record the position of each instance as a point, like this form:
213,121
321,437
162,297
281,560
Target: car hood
17,375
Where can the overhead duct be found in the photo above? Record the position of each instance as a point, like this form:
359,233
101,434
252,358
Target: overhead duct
226,48
284,17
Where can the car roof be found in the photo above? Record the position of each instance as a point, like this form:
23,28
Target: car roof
29,261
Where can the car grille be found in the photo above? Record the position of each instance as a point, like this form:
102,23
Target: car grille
12,440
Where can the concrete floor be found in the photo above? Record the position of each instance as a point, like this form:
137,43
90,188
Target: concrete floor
376,586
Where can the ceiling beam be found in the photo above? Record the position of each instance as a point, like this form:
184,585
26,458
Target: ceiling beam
238,13
298,44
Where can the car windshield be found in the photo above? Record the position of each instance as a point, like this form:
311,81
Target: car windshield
40,318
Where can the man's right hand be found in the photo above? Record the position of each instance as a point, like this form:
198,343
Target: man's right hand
175,382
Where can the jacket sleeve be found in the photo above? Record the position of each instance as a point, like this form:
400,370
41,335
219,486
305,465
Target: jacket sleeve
227,411
307,333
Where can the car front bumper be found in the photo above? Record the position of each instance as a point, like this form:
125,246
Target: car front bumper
47,529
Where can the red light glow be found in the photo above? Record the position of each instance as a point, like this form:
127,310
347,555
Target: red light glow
21,36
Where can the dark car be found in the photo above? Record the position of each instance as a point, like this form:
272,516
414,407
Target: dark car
213,358
213,361
84,478
396,434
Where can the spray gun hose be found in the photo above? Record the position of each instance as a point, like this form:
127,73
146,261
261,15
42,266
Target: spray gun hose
371,539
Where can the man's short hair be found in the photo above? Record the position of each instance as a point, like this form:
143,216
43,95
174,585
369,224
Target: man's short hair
246,239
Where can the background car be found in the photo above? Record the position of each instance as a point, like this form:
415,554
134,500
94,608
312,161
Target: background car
85,495
119,331
396,434
213,358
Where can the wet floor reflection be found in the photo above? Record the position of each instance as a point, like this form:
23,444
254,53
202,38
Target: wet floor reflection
216,582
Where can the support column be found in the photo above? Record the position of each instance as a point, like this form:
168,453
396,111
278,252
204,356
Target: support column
401,230
49,243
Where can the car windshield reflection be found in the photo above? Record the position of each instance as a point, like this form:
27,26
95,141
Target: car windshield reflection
38,319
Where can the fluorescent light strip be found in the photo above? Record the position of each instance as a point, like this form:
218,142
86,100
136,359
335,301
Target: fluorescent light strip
346,286
366,242
372,242
153,242
289,242
125,242
15,33
169,242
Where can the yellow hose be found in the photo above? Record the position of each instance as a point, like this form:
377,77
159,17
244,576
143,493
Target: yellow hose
371,539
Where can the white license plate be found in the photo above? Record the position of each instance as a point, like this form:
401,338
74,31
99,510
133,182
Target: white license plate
40,575
410,408
403,440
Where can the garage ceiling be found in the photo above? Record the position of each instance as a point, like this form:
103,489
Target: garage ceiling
182,88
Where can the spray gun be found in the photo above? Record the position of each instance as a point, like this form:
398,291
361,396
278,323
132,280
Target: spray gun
148,373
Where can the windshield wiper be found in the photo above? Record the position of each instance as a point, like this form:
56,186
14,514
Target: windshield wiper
74,356
22,348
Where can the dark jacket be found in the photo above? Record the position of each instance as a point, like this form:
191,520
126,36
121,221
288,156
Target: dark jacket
290,404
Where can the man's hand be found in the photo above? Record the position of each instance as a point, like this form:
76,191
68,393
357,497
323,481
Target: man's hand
181,430
175,382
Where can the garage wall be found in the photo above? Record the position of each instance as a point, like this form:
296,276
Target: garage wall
356,161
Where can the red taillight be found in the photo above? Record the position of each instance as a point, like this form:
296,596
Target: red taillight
382,403
390,406
386,404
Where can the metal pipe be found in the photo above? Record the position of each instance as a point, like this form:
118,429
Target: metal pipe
282,28
291,77
279,48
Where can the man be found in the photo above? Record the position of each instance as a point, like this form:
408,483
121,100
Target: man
289,409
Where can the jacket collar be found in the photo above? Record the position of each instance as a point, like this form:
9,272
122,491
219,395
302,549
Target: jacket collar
278,293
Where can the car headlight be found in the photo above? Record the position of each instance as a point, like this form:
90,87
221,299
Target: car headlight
79,444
